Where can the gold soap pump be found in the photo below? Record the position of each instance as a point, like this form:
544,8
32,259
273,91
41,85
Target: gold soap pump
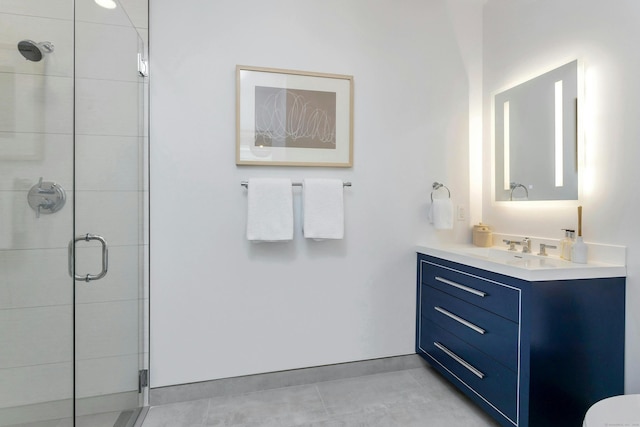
579,252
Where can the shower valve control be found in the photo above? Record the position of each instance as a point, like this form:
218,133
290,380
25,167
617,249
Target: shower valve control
46,197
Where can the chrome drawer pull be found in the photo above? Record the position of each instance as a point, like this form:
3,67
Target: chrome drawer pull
466,323
460,360
459,286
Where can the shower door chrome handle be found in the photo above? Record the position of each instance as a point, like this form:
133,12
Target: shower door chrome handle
105,257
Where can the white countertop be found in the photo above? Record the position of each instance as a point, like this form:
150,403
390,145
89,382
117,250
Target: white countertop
528,267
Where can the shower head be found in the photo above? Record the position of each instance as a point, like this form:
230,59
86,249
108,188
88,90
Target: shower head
34,51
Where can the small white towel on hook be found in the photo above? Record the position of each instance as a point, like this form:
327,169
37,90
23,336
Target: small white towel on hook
441,214
323,209
270,210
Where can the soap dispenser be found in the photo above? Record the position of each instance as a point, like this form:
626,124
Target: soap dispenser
579,253
566,244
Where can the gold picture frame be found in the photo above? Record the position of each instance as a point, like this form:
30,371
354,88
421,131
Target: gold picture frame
293,118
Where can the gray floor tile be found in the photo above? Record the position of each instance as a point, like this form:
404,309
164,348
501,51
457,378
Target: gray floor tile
349,420
415,397
458,408
185,414
358,394
437,385
279,407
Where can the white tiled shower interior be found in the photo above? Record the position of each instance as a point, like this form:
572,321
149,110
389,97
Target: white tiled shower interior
36,140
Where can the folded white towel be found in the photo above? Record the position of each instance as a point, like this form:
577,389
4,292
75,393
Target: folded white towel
270,210
323,209
441,214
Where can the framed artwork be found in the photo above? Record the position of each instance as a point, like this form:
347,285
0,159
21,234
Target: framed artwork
293,118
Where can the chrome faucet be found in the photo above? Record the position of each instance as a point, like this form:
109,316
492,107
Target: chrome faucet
512,244
543,249
526,245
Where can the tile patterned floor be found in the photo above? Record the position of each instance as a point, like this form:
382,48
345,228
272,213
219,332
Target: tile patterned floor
414,397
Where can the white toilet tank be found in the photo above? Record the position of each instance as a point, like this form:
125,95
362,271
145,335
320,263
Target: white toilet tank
614,411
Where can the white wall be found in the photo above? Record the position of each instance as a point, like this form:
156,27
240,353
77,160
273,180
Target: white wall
525,37
223,307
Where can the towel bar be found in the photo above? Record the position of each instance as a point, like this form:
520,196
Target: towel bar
436,186
245,184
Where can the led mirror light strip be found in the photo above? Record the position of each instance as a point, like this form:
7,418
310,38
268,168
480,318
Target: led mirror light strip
506,131
559,136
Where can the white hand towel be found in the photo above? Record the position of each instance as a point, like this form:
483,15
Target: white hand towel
270,210
323,208
441,214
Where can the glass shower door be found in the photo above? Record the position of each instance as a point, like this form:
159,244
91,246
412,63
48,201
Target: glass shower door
72,162
110,226
36,222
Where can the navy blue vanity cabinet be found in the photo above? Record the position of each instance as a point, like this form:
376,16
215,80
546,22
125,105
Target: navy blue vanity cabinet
531,354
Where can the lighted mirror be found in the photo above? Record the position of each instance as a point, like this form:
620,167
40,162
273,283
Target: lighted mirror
536,138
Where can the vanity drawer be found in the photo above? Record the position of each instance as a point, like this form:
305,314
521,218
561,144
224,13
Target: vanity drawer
492,334
476,371
489,294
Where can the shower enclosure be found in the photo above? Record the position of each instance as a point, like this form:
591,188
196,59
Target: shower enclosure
73,212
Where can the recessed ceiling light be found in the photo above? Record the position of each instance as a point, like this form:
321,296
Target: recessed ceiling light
107,4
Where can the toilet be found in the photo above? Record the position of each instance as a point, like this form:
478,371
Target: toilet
614,411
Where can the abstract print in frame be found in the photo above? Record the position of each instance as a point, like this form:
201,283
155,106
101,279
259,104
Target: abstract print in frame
293,118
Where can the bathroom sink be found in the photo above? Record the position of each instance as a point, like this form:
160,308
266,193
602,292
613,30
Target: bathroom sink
515,258
527,266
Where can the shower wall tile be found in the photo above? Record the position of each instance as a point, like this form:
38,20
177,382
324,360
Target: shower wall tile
35,336
34,384
113,215
144,36
106,107
106,329
24,157
22,230
108,163
58,9
143,224
36,103
142,113
144,154
15,28
22,285
138,11
121,281
45,414
89,11
145,341
106,52
145,287
88,407
145,129
107,375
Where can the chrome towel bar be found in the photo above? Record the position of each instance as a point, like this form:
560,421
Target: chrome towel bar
245,184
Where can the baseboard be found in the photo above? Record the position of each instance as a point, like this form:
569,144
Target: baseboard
250,383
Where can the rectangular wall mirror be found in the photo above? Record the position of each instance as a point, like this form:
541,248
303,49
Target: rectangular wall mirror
536,138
